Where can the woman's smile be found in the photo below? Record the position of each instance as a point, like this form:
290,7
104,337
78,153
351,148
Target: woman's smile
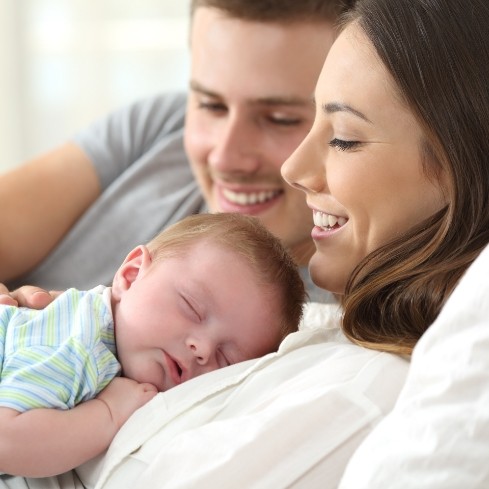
328,221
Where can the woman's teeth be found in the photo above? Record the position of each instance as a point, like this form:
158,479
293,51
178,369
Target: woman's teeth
249,198
328,221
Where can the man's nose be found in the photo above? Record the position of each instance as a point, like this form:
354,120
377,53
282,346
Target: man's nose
235,147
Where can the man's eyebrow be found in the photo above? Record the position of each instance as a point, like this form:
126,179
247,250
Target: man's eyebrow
270,101
333,107
292,101
197,87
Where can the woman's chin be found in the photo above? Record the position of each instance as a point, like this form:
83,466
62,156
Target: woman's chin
326,275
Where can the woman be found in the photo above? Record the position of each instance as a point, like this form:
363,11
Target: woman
396,174
396,166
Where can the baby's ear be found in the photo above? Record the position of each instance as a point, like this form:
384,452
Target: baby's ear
135,263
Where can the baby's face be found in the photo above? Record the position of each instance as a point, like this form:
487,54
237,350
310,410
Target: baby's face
186,316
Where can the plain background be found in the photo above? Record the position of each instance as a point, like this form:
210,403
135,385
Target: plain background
65,63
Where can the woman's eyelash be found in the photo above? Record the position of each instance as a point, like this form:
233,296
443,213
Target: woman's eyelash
343,145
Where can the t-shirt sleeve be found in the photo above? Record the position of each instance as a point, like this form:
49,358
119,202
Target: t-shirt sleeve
117,140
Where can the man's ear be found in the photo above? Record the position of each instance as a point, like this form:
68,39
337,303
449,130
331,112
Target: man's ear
136,263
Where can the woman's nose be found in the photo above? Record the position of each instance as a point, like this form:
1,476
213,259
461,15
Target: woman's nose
303,169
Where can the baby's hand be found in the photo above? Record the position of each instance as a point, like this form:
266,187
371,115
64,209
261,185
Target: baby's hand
123,396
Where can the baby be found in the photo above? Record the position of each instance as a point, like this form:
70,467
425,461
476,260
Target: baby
208,292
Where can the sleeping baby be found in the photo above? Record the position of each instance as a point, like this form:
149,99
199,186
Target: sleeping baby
208,292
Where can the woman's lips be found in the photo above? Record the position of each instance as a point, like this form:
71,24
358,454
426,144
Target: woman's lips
328,221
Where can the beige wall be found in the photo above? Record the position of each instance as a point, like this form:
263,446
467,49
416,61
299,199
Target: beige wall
9,87
66,63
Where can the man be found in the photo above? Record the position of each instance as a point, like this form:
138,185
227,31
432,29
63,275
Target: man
254,69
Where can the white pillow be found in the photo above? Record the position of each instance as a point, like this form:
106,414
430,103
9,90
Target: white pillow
437,436
290,419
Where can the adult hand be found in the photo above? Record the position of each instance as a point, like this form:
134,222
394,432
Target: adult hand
28,295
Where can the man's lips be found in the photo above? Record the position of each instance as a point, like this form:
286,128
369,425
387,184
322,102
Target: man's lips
246,201
250,197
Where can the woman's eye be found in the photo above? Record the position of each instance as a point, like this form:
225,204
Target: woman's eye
343,145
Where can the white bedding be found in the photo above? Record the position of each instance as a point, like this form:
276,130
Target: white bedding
437,436
294,418
290,419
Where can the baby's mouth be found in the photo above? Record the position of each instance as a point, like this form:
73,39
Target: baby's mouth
176,369
179,369
328,221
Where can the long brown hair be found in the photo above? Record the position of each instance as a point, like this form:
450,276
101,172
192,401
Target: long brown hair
437,52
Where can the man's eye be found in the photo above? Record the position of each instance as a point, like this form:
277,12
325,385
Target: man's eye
285,121
212,106
343,145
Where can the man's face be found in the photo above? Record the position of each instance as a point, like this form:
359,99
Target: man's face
250,106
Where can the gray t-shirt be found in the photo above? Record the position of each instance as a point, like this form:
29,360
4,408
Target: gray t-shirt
147,184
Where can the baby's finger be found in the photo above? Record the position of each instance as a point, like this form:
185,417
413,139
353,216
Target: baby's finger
147,387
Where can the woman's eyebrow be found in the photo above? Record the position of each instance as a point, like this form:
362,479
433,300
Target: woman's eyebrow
333,107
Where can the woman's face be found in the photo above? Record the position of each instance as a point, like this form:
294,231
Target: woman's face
361,165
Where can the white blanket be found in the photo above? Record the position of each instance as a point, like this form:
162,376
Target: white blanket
290,419
437,436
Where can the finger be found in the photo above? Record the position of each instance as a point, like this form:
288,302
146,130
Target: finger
55,293
147,387
31,296
3,289
6,300
5,297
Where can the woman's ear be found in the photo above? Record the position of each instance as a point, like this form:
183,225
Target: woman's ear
136,262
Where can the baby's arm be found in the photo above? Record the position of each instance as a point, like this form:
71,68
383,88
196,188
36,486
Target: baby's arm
45,442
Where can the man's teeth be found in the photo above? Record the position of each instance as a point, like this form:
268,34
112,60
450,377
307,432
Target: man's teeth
249,198
328,221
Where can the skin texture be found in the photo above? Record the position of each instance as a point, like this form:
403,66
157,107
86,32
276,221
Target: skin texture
39,442
171,326
36,216
361,164
247,115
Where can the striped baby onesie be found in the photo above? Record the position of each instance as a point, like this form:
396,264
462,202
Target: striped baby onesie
59,356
